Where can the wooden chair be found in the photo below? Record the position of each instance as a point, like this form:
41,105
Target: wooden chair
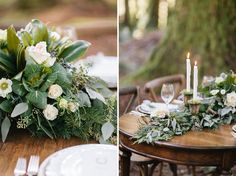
153,86
129,97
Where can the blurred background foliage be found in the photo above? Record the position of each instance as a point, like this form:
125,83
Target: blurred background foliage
156,35
92,20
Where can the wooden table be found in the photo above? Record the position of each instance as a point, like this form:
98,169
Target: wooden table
22,144
197,148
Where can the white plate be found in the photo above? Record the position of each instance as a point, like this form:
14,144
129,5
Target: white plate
148,108
234,128
82,160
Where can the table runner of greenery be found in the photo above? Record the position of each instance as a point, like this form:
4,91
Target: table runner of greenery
218,107
42,92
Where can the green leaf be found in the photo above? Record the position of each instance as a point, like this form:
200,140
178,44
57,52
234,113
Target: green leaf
6,106
50,80
63,77
26,39
5,127
75,50
18,88
107,130
38,99
12,40
20,61
7,62
95,95
19,109
83,99
46,131
39,31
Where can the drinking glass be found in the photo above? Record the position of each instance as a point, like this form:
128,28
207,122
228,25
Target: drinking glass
167,93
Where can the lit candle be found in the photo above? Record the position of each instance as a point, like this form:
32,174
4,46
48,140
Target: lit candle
188,73
195,81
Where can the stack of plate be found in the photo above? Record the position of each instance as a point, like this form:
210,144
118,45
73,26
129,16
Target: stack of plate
82,160
234,131
147,107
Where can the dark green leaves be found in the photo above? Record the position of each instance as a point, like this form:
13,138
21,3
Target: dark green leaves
63,77
6,106
38,99
75,50
18,88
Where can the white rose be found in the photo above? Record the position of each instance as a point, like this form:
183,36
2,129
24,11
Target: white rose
223,91
72,106
40,55
219,80
55,35
50,112
54,91
160,113
214,92
63,103
3,34
231,99
5,87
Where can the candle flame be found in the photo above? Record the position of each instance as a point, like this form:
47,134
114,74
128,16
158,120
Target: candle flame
188,55
195,62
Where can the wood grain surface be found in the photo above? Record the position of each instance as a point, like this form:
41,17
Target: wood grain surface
22,144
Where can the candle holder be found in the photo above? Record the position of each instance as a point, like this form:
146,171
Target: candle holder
188,95
194,106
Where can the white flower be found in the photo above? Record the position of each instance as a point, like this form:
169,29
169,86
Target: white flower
231,99
3,34
160,113
214,92
50,112
54,91
219,80
40,55
63,103
223,91
55,35
72,106
5,87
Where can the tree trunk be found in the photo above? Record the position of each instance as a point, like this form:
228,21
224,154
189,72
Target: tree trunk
207,29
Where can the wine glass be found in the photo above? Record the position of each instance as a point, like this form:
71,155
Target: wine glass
167,93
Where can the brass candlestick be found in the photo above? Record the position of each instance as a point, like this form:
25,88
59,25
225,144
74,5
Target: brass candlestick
187,96
194,106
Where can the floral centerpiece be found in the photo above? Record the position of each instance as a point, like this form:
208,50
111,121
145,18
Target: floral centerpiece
42,92
217,107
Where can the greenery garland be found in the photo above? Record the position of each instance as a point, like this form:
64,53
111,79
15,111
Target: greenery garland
42,92
218,107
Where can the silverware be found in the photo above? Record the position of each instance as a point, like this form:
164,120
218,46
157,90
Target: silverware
33,166
20,168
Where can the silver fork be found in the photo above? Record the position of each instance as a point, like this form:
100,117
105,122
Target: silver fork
20,168
33,166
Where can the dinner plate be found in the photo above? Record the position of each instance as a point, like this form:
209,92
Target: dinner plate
148,108
234,128
89,160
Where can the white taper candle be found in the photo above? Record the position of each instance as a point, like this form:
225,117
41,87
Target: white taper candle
188,73
195,80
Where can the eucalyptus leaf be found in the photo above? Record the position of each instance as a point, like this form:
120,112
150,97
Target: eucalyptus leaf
83,99
107,130
5,127
95,95
19,109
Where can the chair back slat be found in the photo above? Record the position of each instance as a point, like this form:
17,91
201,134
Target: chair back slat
128,97
151,86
